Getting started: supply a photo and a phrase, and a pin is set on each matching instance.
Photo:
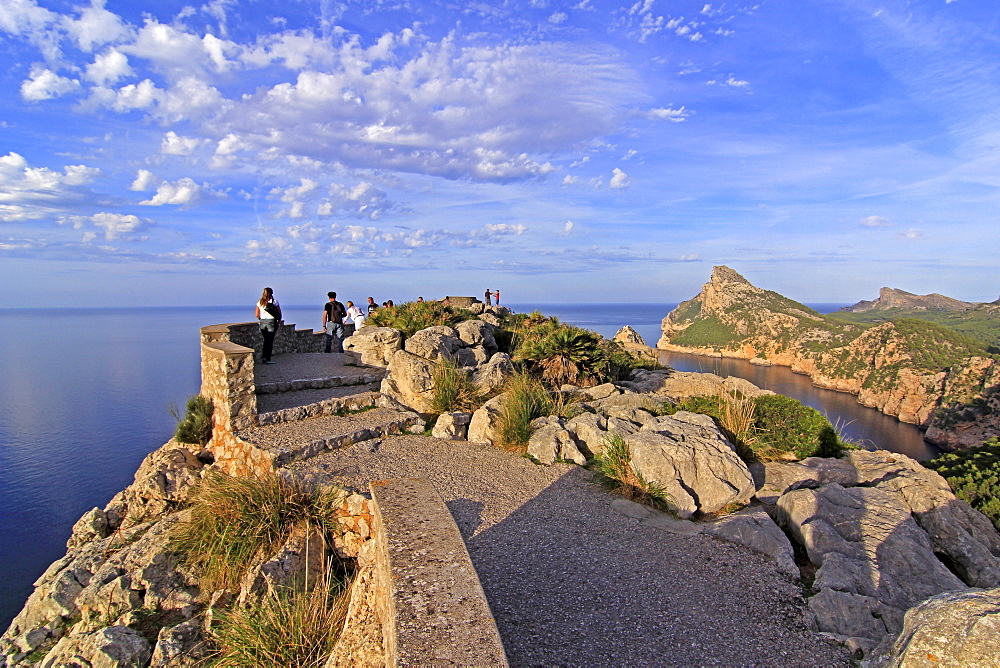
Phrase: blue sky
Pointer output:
(174, 153)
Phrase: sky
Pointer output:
(176, 153)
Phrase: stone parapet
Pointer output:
(286, 340)
(227, 379)
(434, 610)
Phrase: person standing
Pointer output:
(268, 314)
(333, 322)
(372, 306)
(487, 296)
(356, 315)
(496, 297)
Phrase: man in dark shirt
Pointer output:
(372, 306)
(333, 322)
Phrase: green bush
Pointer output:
(974, 475)
(525, 398)
(787, 425)
(615, 464)
(412, 317)
(196, 425)
(453, 390)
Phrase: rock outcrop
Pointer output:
(917, 371)
(891, 298)
(629, 336)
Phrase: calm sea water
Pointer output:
(85, 395)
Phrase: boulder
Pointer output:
(776, 478)
(439, 343)
(599, 392)
(107, 647)
(376, 345)
(483, 426)
(627, 402)
(473, 356)
(477, 333)
(551, 442)
(755, 529)
(183, 644)
(628, 335)
(680, 385)
(490, 377)
(299, 562)
(950, 629)
(410, 381)
(688, 456)
(875, 561)
(452, 426)
(590, 431)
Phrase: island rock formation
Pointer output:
(917, 371)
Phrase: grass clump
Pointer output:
(615, 464)
(287, 628)
(412, 317)
(974, 475)
(525, 398)
(236, 521)
(453, 390)
(196, 424)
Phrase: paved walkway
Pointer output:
(572, 582)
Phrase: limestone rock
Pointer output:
(680, 385)
(688, 455)
(776, 478)
(590, 431)
(599, 392)
(162, 482)
(410, 381)
(755, 529)
(93, 524)
(477, 333)
(180, 645)
(550, 441)
(439, 343)
(376, 345)
(299, 562)
(111, 646)
(490, 377)
(452, 426)
(873, 557)
(473, 356)
(950, 629)
(628, 335)
(627, 402)
(483, 426)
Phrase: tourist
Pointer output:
(487, 296)
(372, 306)
(268, 314)
(333, 322)
(356, 315)
(420, 300)
(496, 297)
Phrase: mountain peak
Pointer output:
(723, 274)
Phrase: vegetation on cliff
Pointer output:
(974, 475)
(911, 367)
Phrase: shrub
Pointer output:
(286, 628)
(236, 521)
(453, 389)
(615, 464)
(974, 475)
(787, 425)
(412, 317)
(196, 425)
(525, 398)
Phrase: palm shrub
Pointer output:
(453, 389)
(615, 464)
(411, 317)
(196, 424)
(236, 521)
(525, 398)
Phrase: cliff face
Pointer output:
(890, 298)
(917, 371)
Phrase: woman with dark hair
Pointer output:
(268, 316)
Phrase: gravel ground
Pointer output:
(275, 402)
(573, 583)
(300, 366)
(285, 434)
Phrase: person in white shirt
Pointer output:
(268, 316)
(356, 315)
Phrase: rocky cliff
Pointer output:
(915, 370)
(891, 298)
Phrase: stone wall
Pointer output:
(286, 340)
(227, 379)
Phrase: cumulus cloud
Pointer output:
(95, 26)
(108, 68)
(111, 226)
(174, 144)
(184, 192)
(30, 193)
(44, 84)
(619, 179)
(667, 114)
(912, 233)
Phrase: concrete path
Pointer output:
(572, 582)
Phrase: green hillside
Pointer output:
(981, 323)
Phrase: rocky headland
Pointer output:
(917, 371)
(865, 555)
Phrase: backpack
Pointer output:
(273, 310)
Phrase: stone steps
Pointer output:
(318, 383)
(288, 441)
(303, 404)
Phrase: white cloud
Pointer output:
(668, 114)
(31, 193)
(119, 226)
(558, 18)
(174, 144)
(44, 84)
(95, 27)
(183, 192)
(875, 221)
(567, 228)
(108, 68)
(145, 180)
(730, 81)
(619, 180)
(912, 233)
(569, 180)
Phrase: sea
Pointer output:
(86, 394)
